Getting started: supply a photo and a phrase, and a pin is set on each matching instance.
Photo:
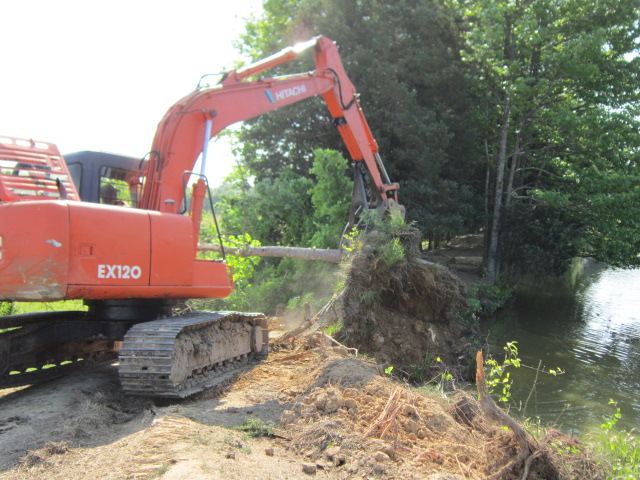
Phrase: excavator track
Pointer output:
(39, 347)
(179, 356)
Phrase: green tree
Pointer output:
(274, 211)
(289, 210)
(330, 197)
(403, 56)
(560, 87)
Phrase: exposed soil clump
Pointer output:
(405, 311)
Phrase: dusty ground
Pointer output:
(337, 417)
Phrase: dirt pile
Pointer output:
(353, 422)
(405, 311)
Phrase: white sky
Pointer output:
(90, 75)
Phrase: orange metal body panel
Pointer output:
(204, 272)
(34, 249)
(165, 291)
(128, 253)
(55, 250)
(110, 246)
(172, 251)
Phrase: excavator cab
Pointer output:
(106, 178)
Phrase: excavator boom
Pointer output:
(204, 113)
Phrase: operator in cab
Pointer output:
(109, 196)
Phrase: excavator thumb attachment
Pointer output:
(367, 197)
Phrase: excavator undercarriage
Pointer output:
(171, 357)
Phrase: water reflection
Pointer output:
(590, 329)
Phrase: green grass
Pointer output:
(16, 308)
(31, 307)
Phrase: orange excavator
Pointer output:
(131, 259)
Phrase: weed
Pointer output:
(245, 448)
(620, 448)
(499, 380)
(365, 357)
(435, 385)
(158, 473)
(368, 298)
(390, 253)
(351, 240)
(333, 328)
(489, 297)
(473, 311)
(419, 373)
(255, 427)
(199, 439)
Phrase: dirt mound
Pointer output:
(405, 311)
(384, 429)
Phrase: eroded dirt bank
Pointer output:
(336, 417)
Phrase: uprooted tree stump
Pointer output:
(406, 312)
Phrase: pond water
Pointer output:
(590, 328)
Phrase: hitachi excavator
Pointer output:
(131, 259)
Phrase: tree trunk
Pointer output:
(492, 255)
(487, 217)
(322, 255)
(514, 165)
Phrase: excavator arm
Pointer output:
(188, 125)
